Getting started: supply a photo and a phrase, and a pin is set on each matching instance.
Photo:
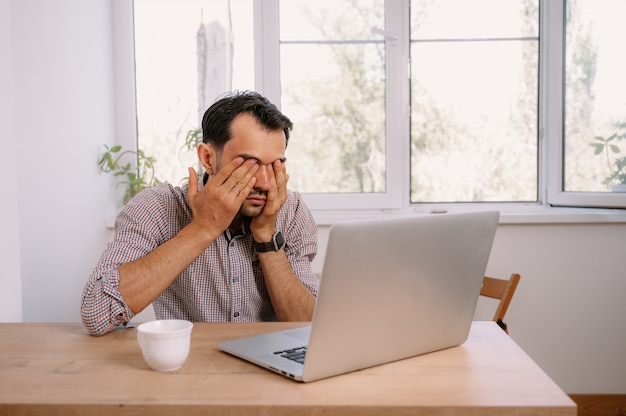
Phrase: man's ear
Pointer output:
(208, 158)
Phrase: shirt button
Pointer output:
(236, 314)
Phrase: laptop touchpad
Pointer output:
(299, 333)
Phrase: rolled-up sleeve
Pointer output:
(139, 228)
(103, 309)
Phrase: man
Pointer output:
(237, 247)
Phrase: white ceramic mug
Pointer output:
(165, 343)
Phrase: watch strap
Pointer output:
(276, 244)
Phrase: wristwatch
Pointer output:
(276, 244)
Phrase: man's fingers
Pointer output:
(244, 186)
(235, 176)
(192, 184)
(242, 193)
(242, 178)
(281, 178)
(227, 170)
(235, 169)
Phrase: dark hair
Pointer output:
(217, 120)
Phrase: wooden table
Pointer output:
(56, 368)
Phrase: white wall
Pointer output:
(61, 73)
(11, 293)
(568, 313)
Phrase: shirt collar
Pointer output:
(243, 230)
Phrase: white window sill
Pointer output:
(509, 214)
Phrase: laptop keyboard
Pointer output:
(294, 354)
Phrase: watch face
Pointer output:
(279, 241)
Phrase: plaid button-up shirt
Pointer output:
(225, 283)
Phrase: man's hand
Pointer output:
(263, 226)
(215, 206)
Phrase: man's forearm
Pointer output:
(143, 280)
(291, 300)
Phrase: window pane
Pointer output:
(333, 88)
(595, 99)
(463, 19)
(474, 101)
(188, 52)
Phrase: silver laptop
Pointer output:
(390, 289)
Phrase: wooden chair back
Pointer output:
(503, 290)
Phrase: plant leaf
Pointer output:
(598, 146)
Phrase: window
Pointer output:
(401, 104)
(474, 100)
(332, 85)
(593, 171)
(433, 103)
(333, 80)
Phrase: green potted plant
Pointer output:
(137, 168)
(616, 161)
(135, 176)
